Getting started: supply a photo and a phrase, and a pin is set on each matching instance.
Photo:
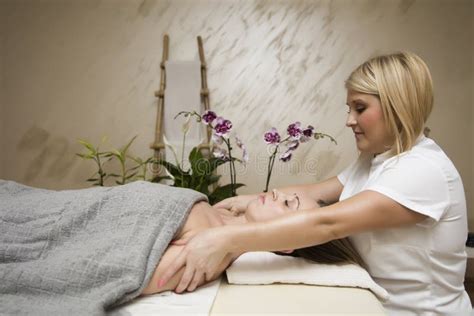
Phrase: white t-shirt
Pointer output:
(421, 266)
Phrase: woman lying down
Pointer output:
(83, 251)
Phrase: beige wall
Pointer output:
(84, 69)
(2, 90)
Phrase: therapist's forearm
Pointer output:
(297, 230)
(328, 190)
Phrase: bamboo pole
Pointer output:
(204, 91)
(158, 145)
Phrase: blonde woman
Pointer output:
(401, 201)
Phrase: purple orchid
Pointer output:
(286, 156)
(272, 136)
(208, 117)
(220, 153)
(216, 139)
(308, 132)
(245, 155)
(292, 145)
(294, 130)
(222, 127)
(296, 136)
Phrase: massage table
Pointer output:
(265, 283)
(294, 299)
(233, 299)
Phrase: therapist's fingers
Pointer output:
(175, 266)
(185, 279)
(179, 242)
(198, 277)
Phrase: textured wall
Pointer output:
(84, 69)
(2, 91)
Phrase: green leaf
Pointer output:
(124, 149)
(203, 187)
(107, 154)
(157, 179)
(213, 179)
(86, 156)
(87, 145)
(195, 155)
(223, 192)
(130, 176)
(215, 162)
(137, 160)
(182, 180)
(149, 160)
(322, 135)
(175, 171)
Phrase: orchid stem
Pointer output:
(182, 150)
(232, 168)
(271, 161)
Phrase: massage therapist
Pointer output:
(401, 201)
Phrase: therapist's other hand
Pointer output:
(236, 204)
(201, 256)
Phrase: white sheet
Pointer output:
(198, 302)
(268, 268)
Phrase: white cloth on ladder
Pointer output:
(182, 93)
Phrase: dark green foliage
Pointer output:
(200, 177)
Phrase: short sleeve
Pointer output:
(345, 174)
(416, 183)
(359, 165)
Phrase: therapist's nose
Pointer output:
(351, 120)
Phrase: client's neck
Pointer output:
(220, 216)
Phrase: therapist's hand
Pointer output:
(236, 204)
(201, 256)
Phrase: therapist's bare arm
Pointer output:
(365, 211)
(328, 190)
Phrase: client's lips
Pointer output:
(262, 199)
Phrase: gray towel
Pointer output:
(82, 251)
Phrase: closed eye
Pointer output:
(296, 199)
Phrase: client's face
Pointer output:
(273, 204)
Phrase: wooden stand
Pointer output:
(158, 146)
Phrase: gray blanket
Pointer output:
(80, 252)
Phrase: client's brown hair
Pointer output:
(336, 251)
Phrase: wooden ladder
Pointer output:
(158, 146)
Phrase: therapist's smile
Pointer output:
(358, 135)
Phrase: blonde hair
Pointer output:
(402, 82)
